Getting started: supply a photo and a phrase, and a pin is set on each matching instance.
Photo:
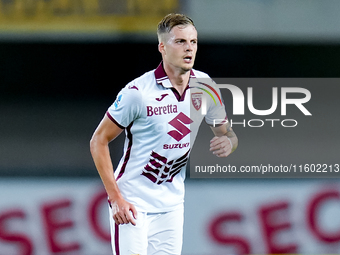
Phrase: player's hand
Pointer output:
(220, 146)
(121, 212)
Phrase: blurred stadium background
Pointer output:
(62, 63)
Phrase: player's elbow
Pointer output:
(98, 142)
(94, 144)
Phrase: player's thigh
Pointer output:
(165, 236)
(127, 239)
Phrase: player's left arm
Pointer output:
(225, 141)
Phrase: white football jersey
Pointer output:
(160, 127)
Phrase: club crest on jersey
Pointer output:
(196, 99)
(116, 103)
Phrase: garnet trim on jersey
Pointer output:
(161, 76)
(116, 237)
(113, 120)
(128, 151)
(159, 170)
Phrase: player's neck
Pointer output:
(178, 78)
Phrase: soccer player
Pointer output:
(160, 113)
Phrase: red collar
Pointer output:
(161, 76)
(163, 79)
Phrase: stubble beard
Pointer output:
(186, 69)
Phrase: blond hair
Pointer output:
(171, 20)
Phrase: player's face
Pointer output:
(180, 47)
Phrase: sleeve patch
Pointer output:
(116, 103)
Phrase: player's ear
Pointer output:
(161, 47)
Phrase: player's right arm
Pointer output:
(99, 146)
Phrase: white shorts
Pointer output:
(154, 234)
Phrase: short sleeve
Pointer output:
(216, 112)
(127, 106)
